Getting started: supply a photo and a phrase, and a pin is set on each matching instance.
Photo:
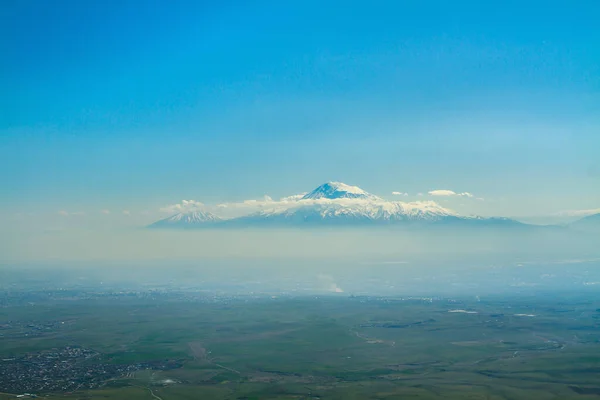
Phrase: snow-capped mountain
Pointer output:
(338, 190)
(190, 219)
(335, 204)
(351, 212)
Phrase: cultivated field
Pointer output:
(332, 347)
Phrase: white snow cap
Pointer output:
(338, 190)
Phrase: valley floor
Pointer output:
(177, 346)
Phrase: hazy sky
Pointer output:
(134, 105)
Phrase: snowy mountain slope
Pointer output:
(338, 190)
(335, 204)
(190, 219)
(352, 212)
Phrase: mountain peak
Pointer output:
(338, 190)
(187, 219)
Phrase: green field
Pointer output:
(324, 348)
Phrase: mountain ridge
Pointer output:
(335, 204)
(187, 219)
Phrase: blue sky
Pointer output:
(131, 105)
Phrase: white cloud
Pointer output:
(266, 201)
(126, 212)
(442, 192)
(184, 206)
(399, 194)
(419, 194)
(63, 213)
(451, 193)
(105, 212)
(294, 197)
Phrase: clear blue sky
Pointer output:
(137, 104)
